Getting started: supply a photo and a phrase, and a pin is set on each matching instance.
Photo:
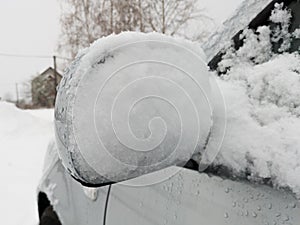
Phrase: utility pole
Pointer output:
(163, 17)
(55, 78)
(17, 94)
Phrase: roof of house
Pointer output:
(46, 71)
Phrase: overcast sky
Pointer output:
(31, 27)
(26, 27)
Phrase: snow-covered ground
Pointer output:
(24, 136)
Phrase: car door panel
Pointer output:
(70, 200)
(189, 197)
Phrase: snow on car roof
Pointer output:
(240, 19)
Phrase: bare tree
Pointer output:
(168, 16)
(84, 21)
(127, 17)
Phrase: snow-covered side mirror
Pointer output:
(132, 104)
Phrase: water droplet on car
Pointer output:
(270, 206)
(234, 204)
(166, 221)
(226, 215)
(227, 190)
(293, 205)
(254, 214)
(278, 214)
(286, 218)
(258, 208)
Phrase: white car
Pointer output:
(87, 180)
(188, 197)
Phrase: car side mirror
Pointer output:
(132, 104)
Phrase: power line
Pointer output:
(31, 56)
(23, 56)
(6, 84)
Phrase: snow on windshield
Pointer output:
(263, 109)
(262, 93)
(241, 18)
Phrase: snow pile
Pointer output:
(296, 33)
(257, 48)
(265, 42)
(263, 109)
(24, 137)
(282, 17)
(262, 92)
(243, 15)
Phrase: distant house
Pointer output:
(43, 88)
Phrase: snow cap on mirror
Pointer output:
(132, 104)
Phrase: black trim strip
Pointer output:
(106, 205)
(92, 185)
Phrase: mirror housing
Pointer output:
(132, 104)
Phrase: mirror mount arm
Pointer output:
(92, 185)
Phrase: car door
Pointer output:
(74, 203)
(189, 197)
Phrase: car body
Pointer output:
(187, 197)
